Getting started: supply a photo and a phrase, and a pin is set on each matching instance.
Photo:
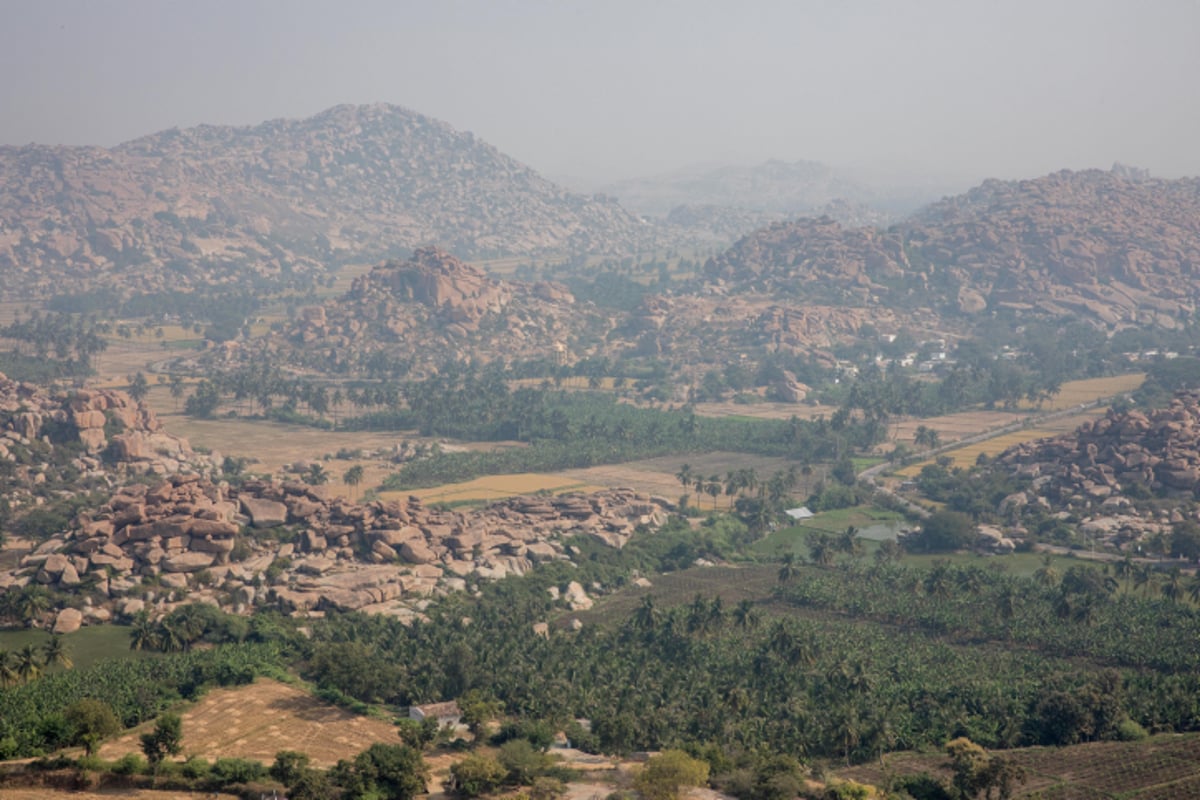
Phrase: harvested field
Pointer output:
(259, 720)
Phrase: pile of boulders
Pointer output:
(1091, 472)
(290, 545)
(105, 421)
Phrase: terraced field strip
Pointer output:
(257, 721)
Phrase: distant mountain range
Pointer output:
(216, 204)
(774, 187)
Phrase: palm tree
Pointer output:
(820, 549)
(745, 616)
(316, 474)
(646, 616)
(1172, 588)
(1143, 578)
(143, 635)
(1194, 588)
(713, 488)
(8, 669)
(788, 571)
(353, 478)
(1124, 570)
(29, 663)
(1047, 575)
(849, 543)
(685, 475)
(55, 652)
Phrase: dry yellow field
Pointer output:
(1084, 391)
(966, 455)
(497, 487)
(257, 721)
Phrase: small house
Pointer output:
(445, 713)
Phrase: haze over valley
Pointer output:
(830, 430)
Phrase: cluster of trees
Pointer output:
(184, 627)
(893, 657)
(72, 341)
(24, 665)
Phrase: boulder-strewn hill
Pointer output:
(1112, 471)
(1114, 247)
(211, 204)
(435, 308)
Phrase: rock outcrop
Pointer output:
(41, 432)
(1106, 470)
(203, 540)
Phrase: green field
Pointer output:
(794, 538)
(86, 646)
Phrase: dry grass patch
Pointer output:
(257, 721)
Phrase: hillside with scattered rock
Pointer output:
(290, 547)
(1113, 472)
(1115, 247)
(236, 205)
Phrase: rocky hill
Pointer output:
(438, 308)
(1114, 247)
(1112, 472)
(210, 542)
(216, 204)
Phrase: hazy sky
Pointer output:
(615, 88)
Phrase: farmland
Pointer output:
(1161, 767)
(496, 487)
(257, 721)
(967, 455)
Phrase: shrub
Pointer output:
(130, 764)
